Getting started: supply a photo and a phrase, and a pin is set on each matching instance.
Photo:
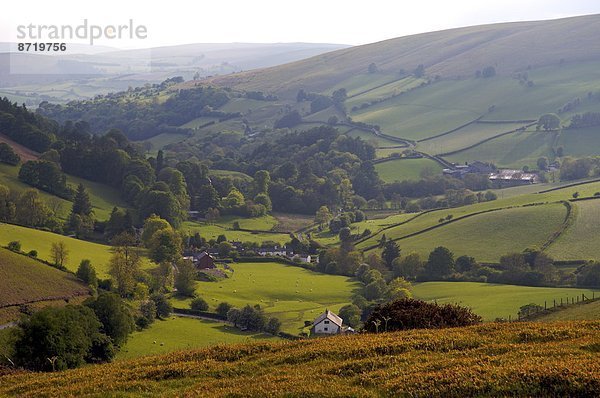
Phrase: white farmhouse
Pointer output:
(327, 323)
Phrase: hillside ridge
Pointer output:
(450, 53)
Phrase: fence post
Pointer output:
(561, 302)
(554, 303)
(545, 306)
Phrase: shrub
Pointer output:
(223, 308)
(273, 326)
(416, 314)
(14, 246)
(163, 307)
(199, 304)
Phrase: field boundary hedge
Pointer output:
(567, 223)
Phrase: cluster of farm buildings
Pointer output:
(500, 178)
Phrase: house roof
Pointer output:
(329, 315)
(204, 254)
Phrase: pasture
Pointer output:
(490, 235)
(510, 151)
(290, 293)
(33, 239)
(580, 241)
(179, 333)
(212, 231)
(407, 169)
(492, 301)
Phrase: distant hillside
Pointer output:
(513, 359)
(27, 281)
(35, 77)
(508, 47)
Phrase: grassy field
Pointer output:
(384, 92)
(212, 231)
(103, 197)
(580, 312)
(514, 150)
(579, 242)
(229, 173)
(491, 235)
(162, 140)
(514, 197)
(26, 280)
(516, 359)
(465, 137)
(287, 292)
(492, 301)
(178, 333)
(580, 142)
(406, 169)
(33, 239)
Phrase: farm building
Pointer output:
(476, 167)
(201, 260)
(304, 258)
(327, 323)
(274, 251)
(511, 178)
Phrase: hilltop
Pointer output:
(516, 359)
(509, 47)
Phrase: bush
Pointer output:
(14, 246)
(223, 308)
(416, 314)
(8, 155)
(273, 326)
(32, 253)
(199, 304)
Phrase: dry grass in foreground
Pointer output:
(523, 359)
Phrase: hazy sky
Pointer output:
(267, 21)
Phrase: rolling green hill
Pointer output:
(491, 229)
(33, 239)
(27, 281)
